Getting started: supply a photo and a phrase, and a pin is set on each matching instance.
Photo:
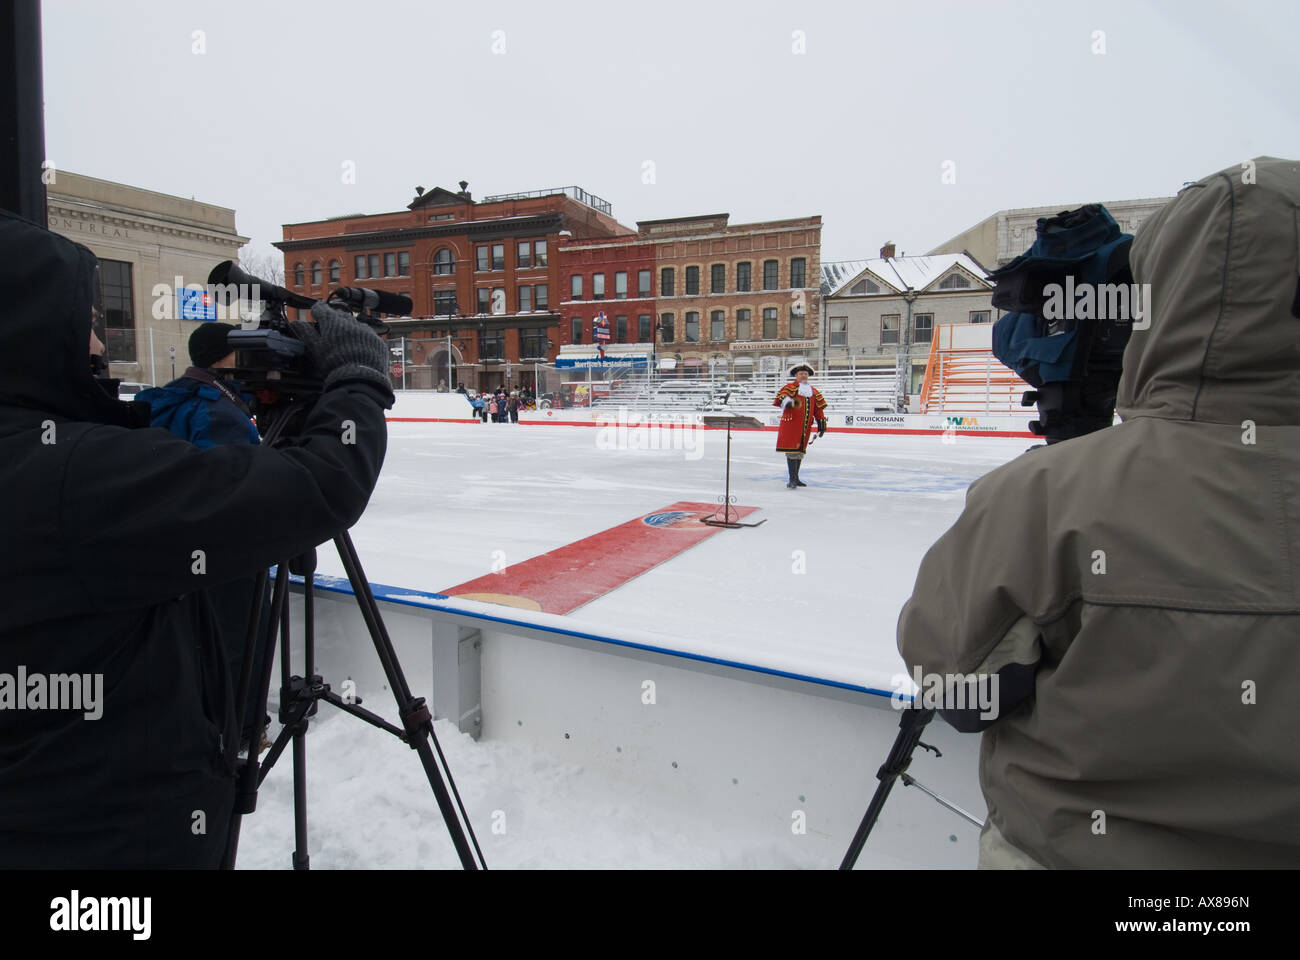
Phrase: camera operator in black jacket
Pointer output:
(113, 535)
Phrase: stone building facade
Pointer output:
(1000, 238)
(149, 245)
(873, 308)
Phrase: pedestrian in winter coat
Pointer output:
(1134, 590)
(802, 405)
(512, 405)
(113, 533)
(492, 408)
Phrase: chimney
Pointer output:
(887, 251)
(464, 192)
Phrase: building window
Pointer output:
(297, 275)
(334, 271)
(119, 310)
(359, 267)
(796, 325)
(769, 274)
(539, 253)
(492, 345)
(923, 327)
(444, 302)
(374, 265)
(692, 326)
(498, 256)
(484, 300)
(575, 287)
(620, 329)
(643, 283)
(742, 324)
(540, 301)
(532, 343)
(524, 295)
(575, 329)
(839, 331)
(981, 316)
(666, 282)
(954, 281)
(666, 327)
(481, 261)
(390, 264)
(692, 281)
(403, 264)
(498, 301)
(889, 328)
(798, 273)
(742, 277)
(444, 264)
(315, 273)
(718, 278)
(864, 287)
(524, 257)
(769, 323)
(717, 325)
(620, 285)
(598, 286)
(643, 327)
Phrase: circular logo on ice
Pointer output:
(671, 518)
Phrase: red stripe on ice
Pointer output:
(577, 573)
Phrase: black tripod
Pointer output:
(910, 728)
(299, 695)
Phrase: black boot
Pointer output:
(793, 466)
(797, 481)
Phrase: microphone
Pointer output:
(393, 304)
(233, 283)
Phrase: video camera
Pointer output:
(1071, 304)
(271, 361)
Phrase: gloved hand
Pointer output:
(786, 402)
(821, 429)
(342, 349)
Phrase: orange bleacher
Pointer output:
(963, 375)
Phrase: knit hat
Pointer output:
(208, 343)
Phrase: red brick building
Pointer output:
(484, 273)
(700, 293)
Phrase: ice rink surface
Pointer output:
(815, 590)
(454, 499)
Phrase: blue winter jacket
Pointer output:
(197, 412)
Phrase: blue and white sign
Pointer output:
(637, 362)
(196, 304)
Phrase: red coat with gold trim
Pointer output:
(798, 419)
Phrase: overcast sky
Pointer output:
(671, 109)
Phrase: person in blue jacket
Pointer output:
(200, 405)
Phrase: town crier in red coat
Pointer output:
(801, 405)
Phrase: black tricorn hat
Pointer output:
(803, 366)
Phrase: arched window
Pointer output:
(954, 281)
(297, 274)
(443, 262)
(315, 274)
(334, 271)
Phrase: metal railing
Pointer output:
(577, 193)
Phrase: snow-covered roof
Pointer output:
(902, 273)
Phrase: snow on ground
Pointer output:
(452, 495)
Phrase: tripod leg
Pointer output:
(416, 718)
(900, 756)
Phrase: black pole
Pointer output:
(22, 111)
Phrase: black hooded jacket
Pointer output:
(111, 536)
